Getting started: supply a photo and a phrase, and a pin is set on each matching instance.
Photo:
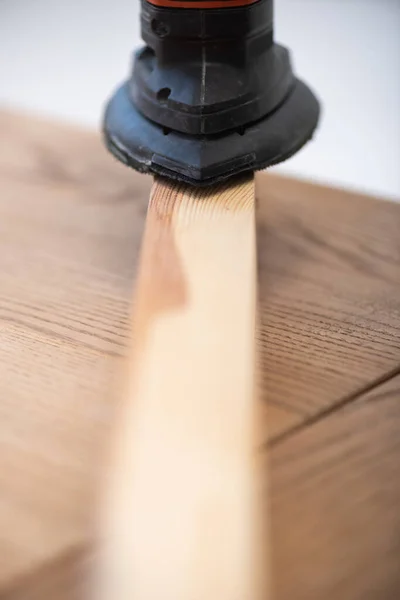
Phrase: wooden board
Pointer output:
(329, 281)
(65, 577)
(181, 495)
(340, 537)
(71, 221)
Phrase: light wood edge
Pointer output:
(182, 519)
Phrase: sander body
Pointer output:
(210, 94)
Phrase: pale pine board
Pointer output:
(182, 489)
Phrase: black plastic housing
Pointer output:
(210, 95)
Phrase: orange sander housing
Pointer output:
(210, 94)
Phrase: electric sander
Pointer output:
(211, 94)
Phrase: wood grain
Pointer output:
(335, 504)
(181, 520)
(329, 277)
(335, 518)
(66, 271)
(71, 222)
(65, 577)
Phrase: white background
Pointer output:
(63, 58)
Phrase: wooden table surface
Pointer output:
(71, 221)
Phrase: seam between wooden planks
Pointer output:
(334, 408)
(73, 556)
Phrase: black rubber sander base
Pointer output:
(210, 95)
(205, 160)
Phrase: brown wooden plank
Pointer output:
(67, 256)
(71, 220)
(335, 504)
(53, 427)
(64, 577)
(330, 292)
(335, 511)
